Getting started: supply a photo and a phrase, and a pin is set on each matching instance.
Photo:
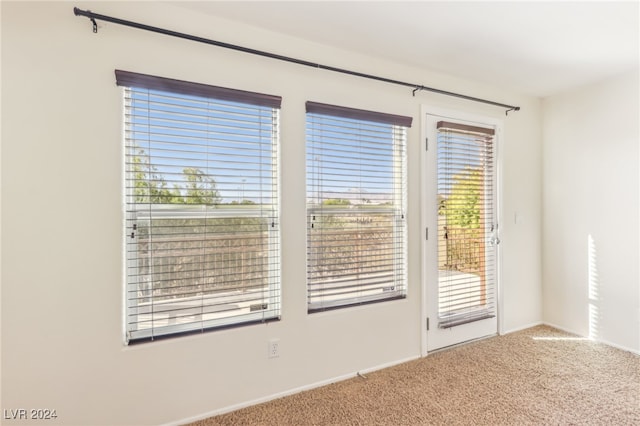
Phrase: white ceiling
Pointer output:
(537, 48)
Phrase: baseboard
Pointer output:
(293, 391)
(523, 327)
(615, 345)
(603, 341)
(565, 329)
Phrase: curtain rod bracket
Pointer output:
(88, 14)
(511, 109)
(418, 88)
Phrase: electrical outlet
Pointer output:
(273, 348)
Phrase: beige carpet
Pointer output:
(539, 376)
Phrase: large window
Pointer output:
(201, 195)
(356, 203)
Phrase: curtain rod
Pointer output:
(416, 87)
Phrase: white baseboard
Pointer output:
(565, 329)
(268, 398)
(520, 328)
(615, 345)
(603, 341)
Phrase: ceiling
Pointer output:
(537, 48)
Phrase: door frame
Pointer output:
(428, 217)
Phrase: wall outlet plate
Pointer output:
(273, 348)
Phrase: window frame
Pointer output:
(136, 212)
(396, 211)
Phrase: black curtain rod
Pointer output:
(416, 87)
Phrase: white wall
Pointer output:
(62, 234)
(591, 215)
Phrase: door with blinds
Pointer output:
(462, 241)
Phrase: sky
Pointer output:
(233, 143)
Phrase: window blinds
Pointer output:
(356, 198)
(201, 189)
(466, 224)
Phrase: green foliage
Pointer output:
(200, 187)
(463, 205)
(460, 216)
(150, 186)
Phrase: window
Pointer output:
(356, 198)
(467, 229)
(201, 196)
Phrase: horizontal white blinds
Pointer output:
(202, 225)
(356, 196)
(466, 223)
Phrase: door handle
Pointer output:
(494, 240)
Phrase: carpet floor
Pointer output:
(538, 376)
